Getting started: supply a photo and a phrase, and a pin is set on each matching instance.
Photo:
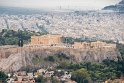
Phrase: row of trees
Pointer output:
(108, 69)
(11, 37)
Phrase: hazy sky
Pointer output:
(83, 4)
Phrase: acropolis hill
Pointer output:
(15, 57)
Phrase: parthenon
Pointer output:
(46, 40)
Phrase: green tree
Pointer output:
(3, 77)
(81, 76)
(50, 58)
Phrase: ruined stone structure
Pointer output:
(56, 40)
(98, 44)
(81, 45)
(46, 40)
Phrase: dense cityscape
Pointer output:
(62, 45)
(94, 25)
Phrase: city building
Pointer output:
(21, 77)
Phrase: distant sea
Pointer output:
(29, 11)
(19, 10)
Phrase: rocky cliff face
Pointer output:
(20, 57)
(118, 7)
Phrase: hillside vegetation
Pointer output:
(11, 37)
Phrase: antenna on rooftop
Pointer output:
(59, 5)
(68, 3)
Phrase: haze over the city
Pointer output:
(54, 4)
